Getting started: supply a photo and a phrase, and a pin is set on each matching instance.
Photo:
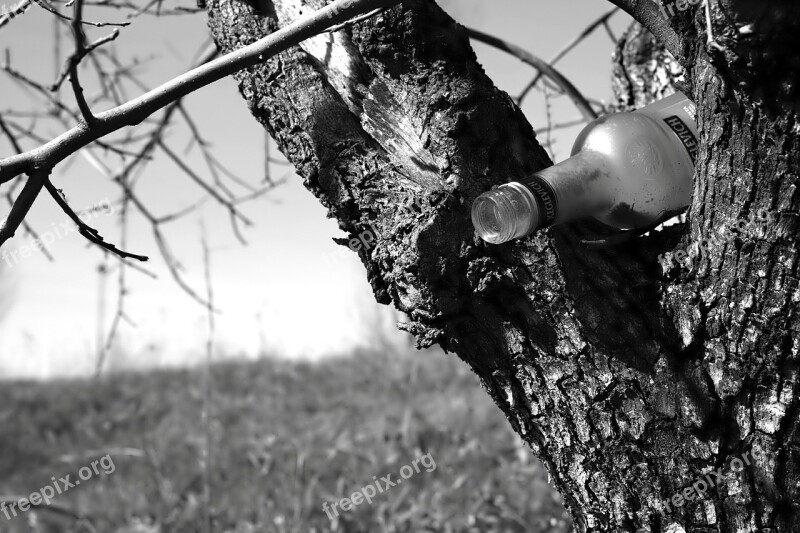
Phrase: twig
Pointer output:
(78, 56)
(122, 178)
(87, 231)
(102, 276)
(52, 507)
(214, 166)
(526, 57)
(610, 32)
(549, 118)
(648, 15)
(10, 136)
(206, 187)
(168, 97)
(23, 203)
(122, 293)
(355, 20)
(90, 454)
(561, 125)
(566, 49)
(56, 105)
(75, 60)
(9, 194)
(47, 7)
(14, 12)
(267, 159)
(137, 110)
(207, 384)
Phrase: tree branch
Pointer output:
(23, 203)
(649, 16)
(87, 231)
(603, 20)
(135, 111)
(526, 57)
(15, 11)
(75, 60)
(47, 7)
(79, 55)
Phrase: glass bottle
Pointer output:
(626, 169)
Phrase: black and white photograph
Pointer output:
(399, 266)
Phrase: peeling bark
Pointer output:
(632, 376)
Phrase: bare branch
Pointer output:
(649, 16)
(10, 136)
(603, 20)
(87, 231)
(207, 381)
(122, 293)
(561, 125)
(610, 32)
(74, 61)
(526, 57)
(214, 166)
(267, 159)
(205, 186)
(137, 110)
(23, 203)
(47, 7)
(14, 12)
(57, 107)
(9, 194)
(78, 57)
(355, 20)
(39, 162)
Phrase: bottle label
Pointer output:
(686, 135)
(677, 112)
(546, 199)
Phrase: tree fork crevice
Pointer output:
(629, 378)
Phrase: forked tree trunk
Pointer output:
(633, 377)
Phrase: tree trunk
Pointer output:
(638, 378)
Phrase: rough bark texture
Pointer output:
(632, 377)
(643, 71)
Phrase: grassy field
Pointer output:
(281, 439)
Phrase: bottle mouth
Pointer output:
(505, 213)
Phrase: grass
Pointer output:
(284, 437)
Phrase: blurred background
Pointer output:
(313, 389)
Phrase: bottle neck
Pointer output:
(577, 187)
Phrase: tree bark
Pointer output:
(633, 376)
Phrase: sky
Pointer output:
(291, 292)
